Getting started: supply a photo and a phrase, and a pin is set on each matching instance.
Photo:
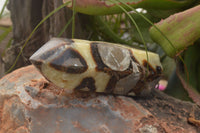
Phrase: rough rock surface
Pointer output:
(30, 104)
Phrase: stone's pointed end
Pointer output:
(39, 56)
(49, 51)
(36, 61)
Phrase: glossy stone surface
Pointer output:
(76, 64)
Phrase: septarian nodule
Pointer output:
(97, 66)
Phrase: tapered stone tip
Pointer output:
(49, 51)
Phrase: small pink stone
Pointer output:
(161, 87)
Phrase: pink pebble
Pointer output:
(161, 87)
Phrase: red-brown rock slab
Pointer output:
(30, 104)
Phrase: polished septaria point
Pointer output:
(97, 66)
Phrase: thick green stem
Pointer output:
(182, 29)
